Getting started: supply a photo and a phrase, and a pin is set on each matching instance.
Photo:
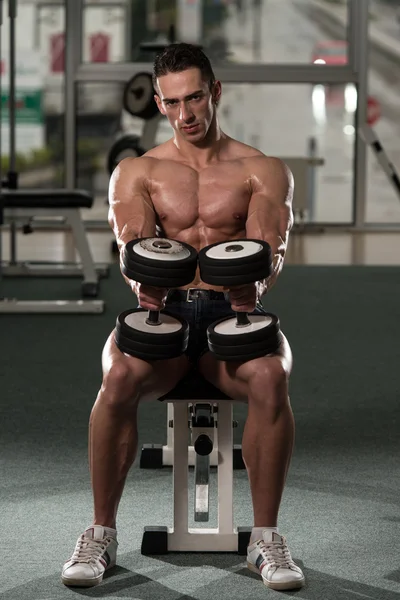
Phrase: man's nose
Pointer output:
(185, 112)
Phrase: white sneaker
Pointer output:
(95, 552)
(270, 557)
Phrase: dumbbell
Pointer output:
(239, 262)
(164, 263)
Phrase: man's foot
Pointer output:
(270, 557)
(95, 552)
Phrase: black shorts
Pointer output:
(200, 308)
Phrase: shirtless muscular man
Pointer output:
(199, 187)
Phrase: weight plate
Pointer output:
(127, 146)
(149, 352)
(234, 250)
(224, 332)
(242, 251)
(132, 325)
(267, 346)
(161, 249)
(138, 99)
(233, 268)
(235, 274)
(156, 270)
(162, 280)
(233, 280)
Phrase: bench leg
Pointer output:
(74, 220)
(181, 538)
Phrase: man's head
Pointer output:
(187, 92)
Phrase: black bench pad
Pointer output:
(52, 198)
(194, 387)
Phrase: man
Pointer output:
(199, 187)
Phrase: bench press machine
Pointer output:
(197, 408)
(21, 205)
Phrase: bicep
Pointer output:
(131, 211)
(270, 209)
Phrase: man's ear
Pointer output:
(159, 104)
(217, 92)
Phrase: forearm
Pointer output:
(127, 233)
(265, 285)
(277, 262)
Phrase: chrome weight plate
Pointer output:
(168, 324)
(229, 326)
(132, 324)
(234, 250)
(227, 332)
(161, 249)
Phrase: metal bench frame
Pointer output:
(180, 455)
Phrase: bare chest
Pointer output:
(216, 198)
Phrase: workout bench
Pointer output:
(208, 413)
(21, 205)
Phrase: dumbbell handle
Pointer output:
(153, 318)
(242, 319)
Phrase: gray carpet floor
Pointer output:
(341, 507)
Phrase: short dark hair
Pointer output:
(178, 57)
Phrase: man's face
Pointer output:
(185, 99)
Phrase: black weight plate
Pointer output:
(163, 280)
(132, 255)
(150, 351)
(239, 273)
(138, 98)
(126, 146)
(234, 280)
(241, 257)
(170, 337)
(244, 335)
(156, 271)
(152, 340)
(240, 358)
(267, 346)
(233, 267)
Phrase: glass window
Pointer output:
(320, 124)
(231, 31)
(39, 103)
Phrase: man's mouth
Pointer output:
(191, 128)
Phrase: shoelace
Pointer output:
(277, 555)
(88, 550)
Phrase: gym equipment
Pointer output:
(126, 146)
(138, 99)
(208, 413)
(162, 263)
(235, 263)
(17, 204)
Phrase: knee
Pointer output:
(120, 388)
(268, 384)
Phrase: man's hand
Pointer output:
(151, 298)
(243, 298)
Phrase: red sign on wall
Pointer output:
(99, 48)
(57, 53)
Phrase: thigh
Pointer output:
(232, 377)
(154, 378)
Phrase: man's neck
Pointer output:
(204, 153)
